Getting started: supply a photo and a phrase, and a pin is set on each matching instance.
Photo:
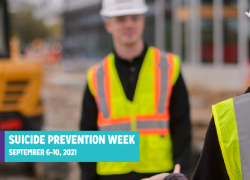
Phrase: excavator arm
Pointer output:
(4, 30)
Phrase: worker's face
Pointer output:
(126, 30)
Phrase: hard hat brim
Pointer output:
(124, 12)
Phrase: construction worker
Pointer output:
(225, 154)
(137, 88)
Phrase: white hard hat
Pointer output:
(112, 8)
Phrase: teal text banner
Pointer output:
(72, 146)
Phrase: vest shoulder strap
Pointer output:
(226, 127)
(92, 72)
(90, 81)
(175, 64)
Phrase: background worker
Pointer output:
(137, 87)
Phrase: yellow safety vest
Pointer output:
(232, 121)
(147, 113)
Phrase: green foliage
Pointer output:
(26, 27)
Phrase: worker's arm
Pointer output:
(180, 127)
(88, 123)
(211, 164)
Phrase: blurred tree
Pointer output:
(26, 27)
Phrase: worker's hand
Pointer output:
(177, 169)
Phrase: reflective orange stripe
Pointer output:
(154, 131)
(152, 117)
(111, 121)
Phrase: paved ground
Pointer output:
(63, 97)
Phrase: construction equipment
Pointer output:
(20, 99)
(20, 84)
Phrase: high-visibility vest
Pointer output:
(147, 113)
(232, 121)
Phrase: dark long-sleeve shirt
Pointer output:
(180, 127)
(211, 164)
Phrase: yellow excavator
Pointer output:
(20, 83)
(20, 96)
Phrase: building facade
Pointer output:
(200, 31)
